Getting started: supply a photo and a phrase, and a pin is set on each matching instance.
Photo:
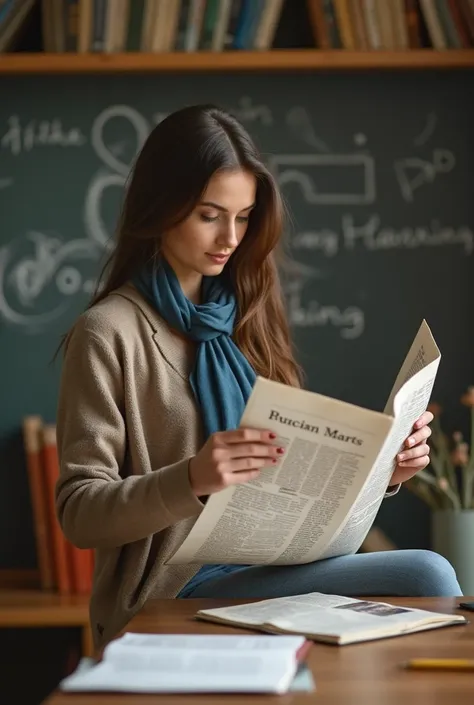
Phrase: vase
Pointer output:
(453, 537)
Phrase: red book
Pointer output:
(60, 548)
(32, 440)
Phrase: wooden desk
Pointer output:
(361, 674)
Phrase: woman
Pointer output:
(157, 372)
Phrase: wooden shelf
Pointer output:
(275, 60)
(34, 608)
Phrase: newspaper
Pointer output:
(330, 618)
(194, 663)
(322, 497)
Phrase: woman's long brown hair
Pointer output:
(170, 175)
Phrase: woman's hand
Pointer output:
(231, 458)
(415, 456)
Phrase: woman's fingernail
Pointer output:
(410, 441)
(402, 457)
(273, 436)
(280, 450)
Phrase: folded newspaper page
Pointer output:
(322, 497)
(330, 618)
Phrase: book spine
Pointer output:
(344, 23)
(121, 38)
(433, 24)
(99, 25)
(372, 23)
(46, 24)
(71, 25)
(148, 25)
(180, 39)
(194, 25)
(112, 20)
(384, 16)
(332, 24)
(80, 564)
(258, 8)
(134, 31)
(458, 19)
(172, 25)
(412, 21)
(317, 18)
(85, 26)
(234, 19)
(160, 25)
(400, 25)
(60, 549)
(32, 441)
(57, 25)
(222, 22)
(243, 24)
(468, 17)
(268, 25)
(358, 24)
(209, 22)
(449, 28)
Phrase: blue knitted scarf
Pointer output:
(222, 378)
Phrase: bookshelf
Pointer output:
(24, 605)
(274, 60)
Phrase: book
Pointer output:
(321, 499)
(62, 566)
(32, 426)
(195, 663)
(59, 541)
(330, 618)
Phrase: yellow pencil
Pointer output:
(440, 664)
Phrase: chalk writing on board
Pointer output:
(428, 130)
(95, 226)
(325, 178)
(140, 126)
(300, 124)
(27, 281)
(360, 139)
(328, 179)
(323, 240)
(350, 321)
(116, 167)
(309, 313)
(20, 138)
(372, 235)
(247, 111)
(413, 172)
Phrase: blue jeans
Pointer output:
(405, 573)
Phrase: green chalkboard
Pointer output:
(377, 170)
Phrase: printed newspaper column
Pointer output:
(323, 496)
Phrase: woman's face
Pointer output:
(202, 244)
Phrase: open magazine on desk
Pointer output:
(331, 618)
(321, 499)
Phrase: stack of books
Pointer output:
(63, 568)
